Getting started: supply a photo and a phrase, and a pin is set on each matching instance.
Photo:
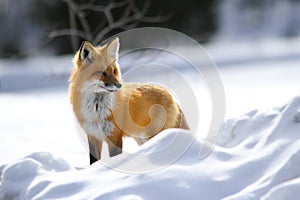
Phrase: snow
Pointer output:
(44, 155)
(258, 158)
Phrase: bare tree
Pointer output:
(80, 28)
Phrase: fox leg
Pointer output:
(114, 145)
(95, 148)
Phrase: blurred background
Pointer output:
(255, 45)
(35, 27)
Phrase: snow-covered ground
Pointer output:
(256, 156)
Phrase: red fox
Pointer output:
(108, 109)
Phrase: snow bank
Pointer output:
(258, 156)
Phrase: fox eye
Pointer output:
(115, 71)
(104, 73)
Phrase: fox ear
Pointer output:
(112, 48)
(86, 51)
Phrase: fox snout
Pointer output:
(111, 80)
(112, 87)
(117, 85)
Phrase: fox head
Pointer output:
(96, 67)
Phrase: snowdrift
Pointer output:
(257, 156)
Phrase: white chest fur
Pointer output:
(95, 107)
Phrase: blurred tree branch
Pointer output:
(80, 27)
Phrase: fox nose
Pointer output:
(118, 85)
